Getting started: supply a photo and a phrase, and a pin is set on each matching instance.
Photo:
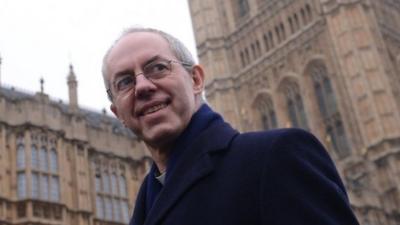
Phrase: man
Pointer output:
(204, 171)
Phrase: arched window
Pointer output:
(243, 7)
(303, 16)
(116, 209)
(122, 186)
(98, 183)
(44, 187)
(114, 184)
(247, 55)
(243, 60)
(258, 48)
(125, 211)
(291, 25)
(21, 156)
(53, 161)
(266, 111)
(278, 34)
(295, 106)
(55, 189)
(21, 185)
(34, 157)
(296, 22)
(108, 207)
(43, 159)
(106, 183)
(99, 207)
(329, 111)
(253, 50)
(266, 42)
(35, 186)
(283, 32)
(309, 12)
(271, 39)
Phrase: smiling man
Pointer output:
(204, 171)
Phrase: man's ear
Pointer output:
(198, 79)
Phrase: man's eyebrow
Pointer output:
(152, 59)
(124, 72)
(132, 72)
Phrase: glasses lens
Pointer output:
(157, 70)
(124, 82)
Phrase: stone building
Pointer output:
(61, 164)
(329, 66)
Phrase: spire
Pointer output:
(41, 85)
(71, 75)
(72, 90)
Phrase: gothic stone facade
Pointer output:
(63, 165)
(328, 66)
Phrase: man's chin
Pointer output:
(161, 139)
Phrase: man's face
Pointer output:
(156, 111)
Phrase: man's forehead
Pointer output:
(140, 41)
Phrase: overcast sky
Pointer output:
(41, 38)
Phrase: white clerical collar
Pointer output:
(161, 178)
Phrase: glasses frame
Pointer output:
(168, 61)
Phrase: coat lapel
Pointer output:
(195, 164)
(139, 215)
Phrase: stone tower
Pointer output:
(328, 66)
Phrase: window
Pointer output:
(296, 22)
(122, 186)
(247, 55)
(271, 39)
(43, 171)
(242, 59)
(35, 157)
(282, 31)
(309, 13)
(116, 209)
(125, 211)
(111, 192)
(20, 156)
(99, 207)
(108, 207)
(98, 183)
(295, 106)
(266, 42)
(55, 187)
(243, 7)
(267, 113)
(106, 183)
(44, 187)
(291, 25)
(303, 16)
(43, 159)
(114, 184)
(53, 161)
(21, 188)
(35, 185)
(329, 111)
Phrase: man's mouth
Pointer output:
(155, 108)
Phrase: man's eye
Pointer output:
(157, 68)
(124, 83)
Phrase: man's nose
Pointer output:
(144, 87)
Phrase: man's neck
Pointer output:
(160, 158)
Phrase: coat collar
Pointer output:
(195, 165)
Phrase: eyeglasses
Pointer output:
(152, 71)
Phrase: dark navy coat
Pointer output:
(278, 177)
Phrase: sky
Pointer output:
(41, 38)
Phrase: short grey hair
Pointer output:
(180, 51)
